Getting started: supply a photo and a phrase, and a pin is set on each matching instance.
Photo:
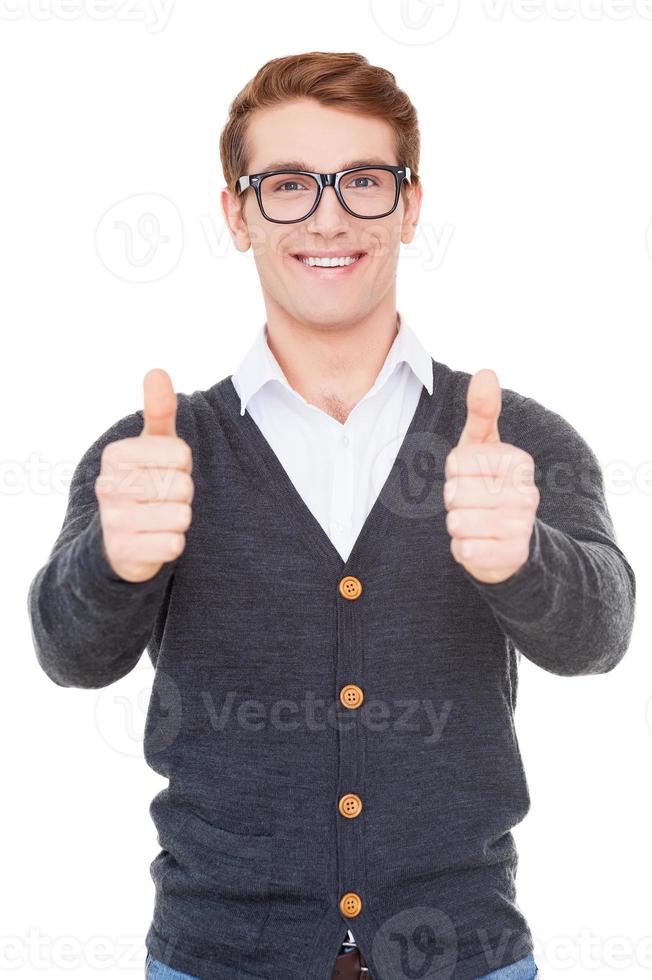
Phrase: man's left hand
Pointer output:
(489, 492)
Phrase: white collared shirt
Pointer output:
(338, 468)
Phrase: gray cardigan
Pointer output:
(337, 757)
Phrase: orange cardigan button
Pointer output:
(350, 587)
(350, 805)
(350, 904)
(351, 696)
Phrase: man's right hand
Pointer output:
(144, 488)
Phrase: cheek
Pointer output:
(264, 242)
(382, 239)
(268, 255)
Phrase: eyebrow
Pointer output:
(302, 165)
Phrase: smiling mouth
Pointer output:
(339, 264)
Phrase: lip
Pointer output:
(334, 272)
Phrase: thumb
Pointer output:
(483, 404)
(160, 404)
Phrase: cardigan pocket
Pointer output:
(223, 845)
(215, 889)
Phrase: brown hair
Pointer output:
(334, 78)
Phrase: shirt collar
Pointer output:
(260, 366)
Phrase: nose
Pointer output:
(329, 215)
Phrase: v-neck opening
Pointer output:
(279, 479)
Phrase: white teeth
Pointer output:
(327, 263)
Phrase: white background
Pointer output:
(534, 257)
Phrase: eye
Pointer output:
(357, 186)
(288, 186)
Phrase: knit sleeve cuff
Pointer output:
(93, 577)
(528, 594)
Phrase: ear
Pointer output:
(233, 208)
(411, 213)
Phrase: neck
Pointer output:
(332, 366)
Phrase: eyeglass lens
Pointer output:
(290, 196)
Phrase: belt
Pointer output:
(350, 966)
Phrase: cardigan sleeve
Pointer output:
(90, 626)
(570, 607)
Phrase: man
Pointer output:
(332, 556)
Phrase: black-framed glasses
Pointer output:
(286, 196)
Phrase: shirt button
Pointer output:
(350, 904)
(350, 805)
(350, 587)
(345, 440)
(351, 696)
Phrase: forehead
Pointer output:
(322, 137)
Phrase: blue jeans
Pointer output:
(525, 969)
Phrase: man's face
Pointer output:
(326, 140)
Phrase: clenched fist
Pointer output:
(144, 488)
(489, 493)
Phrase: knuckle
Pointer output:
(119, 547)
(100, 486)
(110, 517)
(522, 465)
(113, 454)
(514, 524)
(451, 464)
(523, 528)
(176, 545)
(185, 515)
(108, 453)
(186, 486)
(529, 497)
(186, 454)
(523, 497)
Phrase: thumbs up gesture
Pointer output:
(489, 492)
(144, 488)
